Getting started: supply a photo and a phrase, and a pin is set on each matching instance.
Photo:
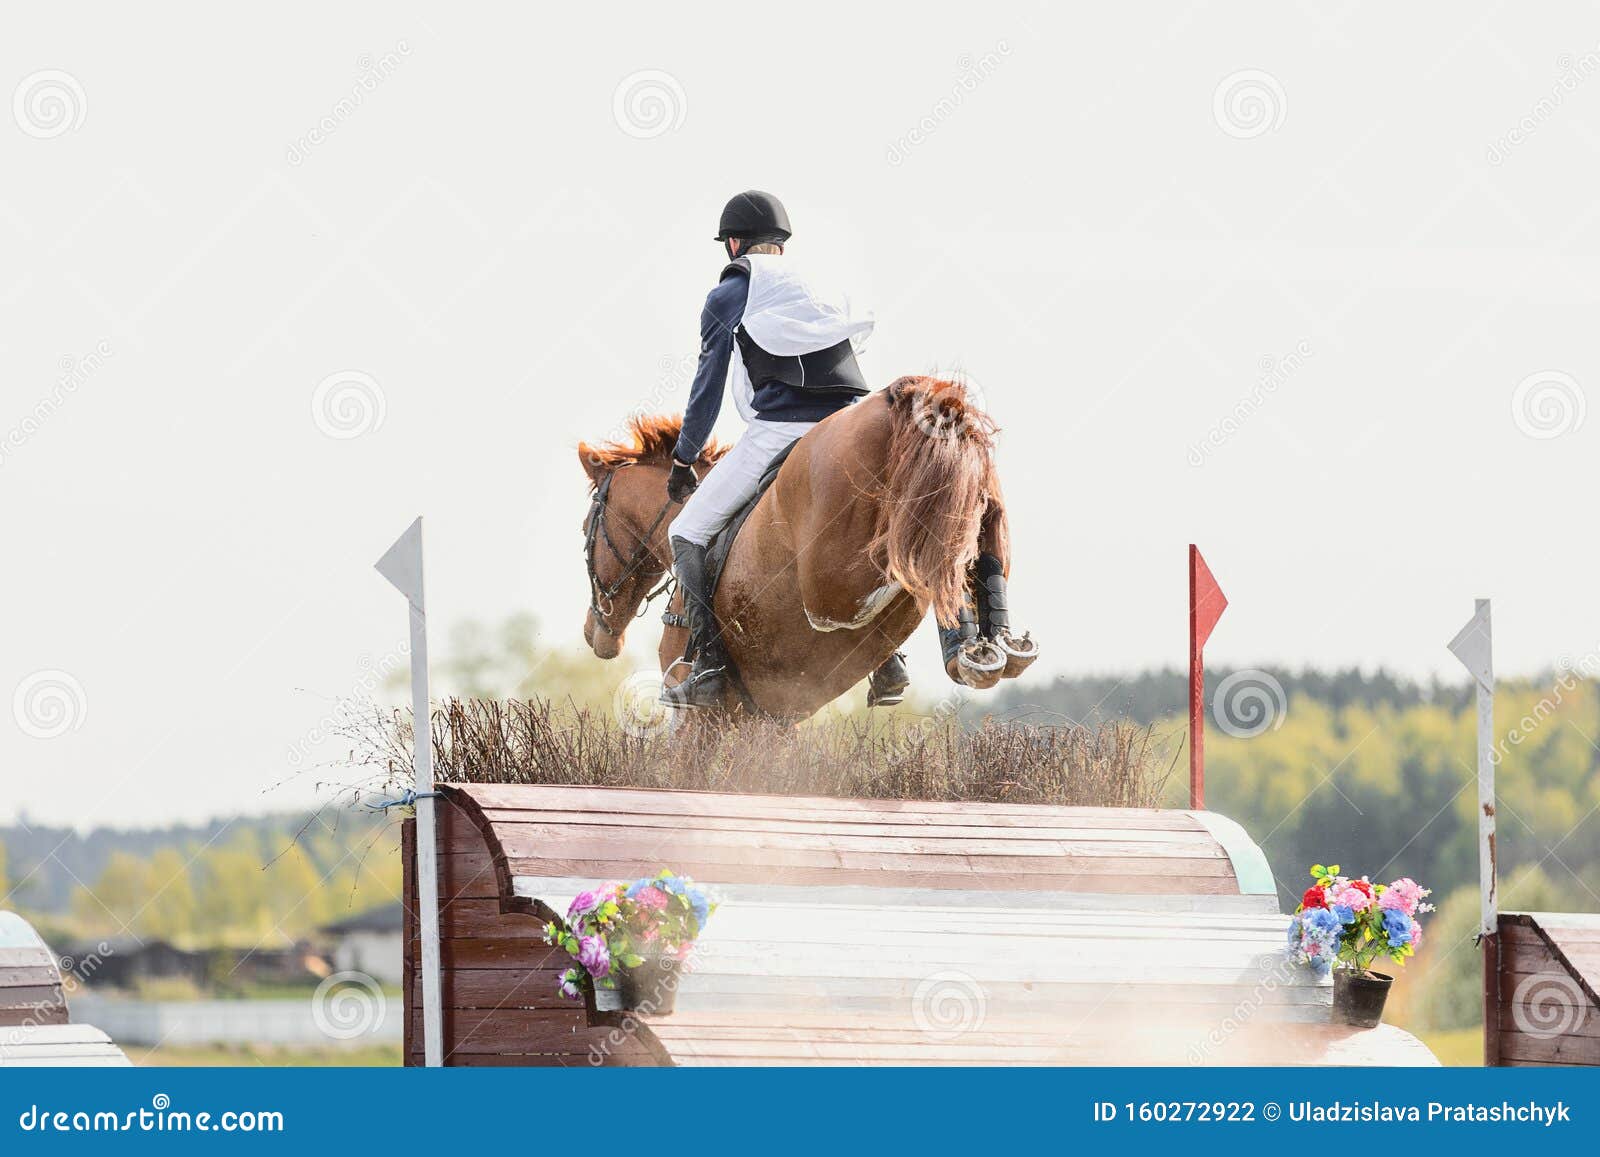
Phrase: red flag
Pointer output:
(1206, 604)
(1206, 601)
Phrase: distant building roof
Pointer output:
(383, 918)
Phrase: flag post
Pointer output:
(401, 564)
(1473, 645)
(1206, 604)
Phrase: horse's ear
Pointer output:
(592, 463)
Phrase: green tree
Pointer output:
(169, 910)
(116, 897)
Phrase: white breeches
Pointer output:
(732, 481)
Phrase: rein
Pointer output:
(600, 594)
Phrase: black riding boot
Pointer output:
(887, 685)
(707, 682)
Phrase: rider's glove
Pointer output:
(681, 482)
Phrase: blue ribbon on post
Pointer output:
(407, 798)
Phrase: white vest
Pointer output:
(787, 315)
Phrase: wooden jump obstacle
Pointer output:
(34, 1025)
(862, 931)
(877, 931)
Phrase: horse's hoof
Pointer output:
(977, 665)
(1019, 653)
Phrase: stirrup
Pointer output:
(702, 689)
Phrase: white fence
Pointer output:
(328, 1022)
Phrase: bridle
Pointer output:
(601, 594)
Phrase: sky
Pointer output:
(1313, 289)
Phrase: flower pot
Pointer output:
(650, 987)
(1358, 997)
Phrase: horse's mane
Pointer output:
(651, 438)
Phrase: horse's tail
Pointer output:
(942, 492)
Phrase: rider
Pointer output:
(793, 363)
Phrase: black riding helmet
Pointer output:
(756, 217)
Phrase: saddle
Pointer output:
(722, 545)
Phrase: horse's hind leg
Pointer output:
(969, 658)
(994, 609)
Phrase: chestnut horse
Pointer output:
(877, 516)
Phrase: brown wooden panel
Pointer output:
(470, 919)
(30, 987)
(484, 952)
(498, 987)
(869, 823)
(43, 1005)
(1529, 957)
(538, 1035)
(30, 976)
(1570, 1050)
(467, 876)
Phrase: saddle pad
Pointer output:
(722, 545)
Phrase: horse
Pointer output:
(878, 516)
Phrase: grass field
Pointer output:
(1462, 1047)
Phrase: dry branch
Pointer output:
(538, 741)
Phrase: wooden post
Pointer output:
(402, 566)
(1473, 645)
(1206, 604)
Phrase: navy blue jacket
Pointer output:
(774, 402)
